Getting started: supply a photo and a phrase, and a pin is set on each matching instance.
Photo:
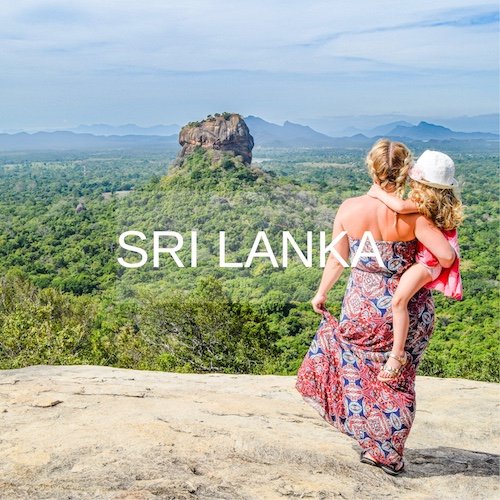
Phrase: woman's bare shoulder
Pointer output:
(358, 202)
(356, 209)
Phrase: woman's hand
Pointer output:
(318, 302)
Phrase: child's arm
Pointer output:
(393, 202)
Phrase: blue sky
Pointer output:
(71, 62)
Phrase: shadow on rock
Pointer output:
(446, 461)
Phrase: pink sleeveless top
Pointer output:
(449, 280)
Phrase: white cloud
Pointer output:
(199, 35)
(127, 43)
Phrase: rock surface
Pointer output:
(101, 432)
(227, 133)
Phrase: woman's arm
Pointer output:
(393, 202)
(432, 238)
(333, 268)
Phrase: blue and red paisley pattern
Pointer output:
(338, 376)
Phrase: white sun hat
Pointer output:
(434, 169)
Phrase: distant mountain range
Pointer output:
(289, 134)
(67, 141)
(336, 126)
(265, 134)
(272, 135)
(379, 130)
(128, 129)
(427, 131)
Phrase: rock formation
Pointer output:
(222, 133)
(80, 208)
(100, 432)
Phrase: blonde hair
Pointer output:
(388, 164)
(442, 206)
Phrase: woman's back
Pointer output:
(365, 213)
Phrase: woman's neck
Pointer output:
(390, 189)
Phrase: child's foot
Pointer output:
(393, 367)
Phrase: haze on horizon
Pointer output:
(66, 63)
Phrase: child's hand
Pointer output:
(374, 191)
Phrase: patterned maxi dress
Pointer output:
(338, 376)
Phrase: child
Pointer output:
(432, 195)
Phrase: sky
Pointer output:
(74, 62)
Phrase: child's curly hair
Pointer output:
(388, 164)
(442, 206)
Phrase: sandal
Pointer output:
(388, 469)
(391, 469)
(367, 460)
(393, 373)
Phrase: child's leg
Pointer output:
(412, 280)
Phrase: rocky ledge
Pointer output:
(107, 433)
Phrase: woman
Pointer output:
(338, 375)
